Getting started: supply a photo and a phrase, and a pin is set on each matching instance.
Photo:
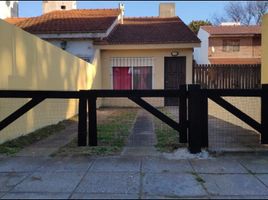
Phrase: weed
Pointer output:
(14, 146)
(198, 178)
(167, 137)
(112, 135)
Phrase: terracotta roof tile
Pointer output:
(70, 21)
(222, 30)
(15, 20)
(151, 30)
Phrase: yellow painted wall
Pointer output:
(249, 105)
(158, 71)
(29, 63)
(264, 59)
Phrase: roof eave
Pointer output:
(235, 35)
(148, 46)
(67, 35)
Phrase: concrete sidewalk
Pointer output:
(134, 177)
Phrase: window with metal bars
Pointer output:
(132, 73)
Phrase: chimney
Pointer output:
(122, 8)
(167, 10)
(49, 6)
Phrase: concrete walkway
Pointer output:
(52, 143)
(139, 177)
(142, 138)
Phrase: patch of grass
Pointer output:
(112, 136)
(167, 137)
(14, 146)
(198, 178)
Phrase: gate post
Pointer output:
(183, 114)
(92, 119)
(264, 114)
(82, 119)
(195, 121)
(204, 117)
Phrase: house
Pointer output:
(229, 44)
(132, 53)
(8, 9)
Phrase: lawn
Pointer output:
(167, 137)
(113, 132)
(14, 146)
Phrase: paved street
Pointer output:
(134, 177)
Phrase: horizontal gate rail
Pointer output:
(135, 93)
(39, 94)
(97, 93)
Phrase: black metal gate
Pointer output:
(193, 114)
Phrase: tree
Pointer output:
(195, 25)
(246, 13)
(235, 11)
(261, 8)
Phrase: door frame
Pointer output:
(165, 64)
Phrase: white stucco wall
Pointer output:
(79, 48)
(201, 54)
(8, 9)
(49, 6)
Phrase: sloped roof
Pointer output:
(229, 30)
(15, 20)
(69, 21)
(150, 30)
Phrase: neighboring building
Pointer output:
(72, 30)
(49, 6)
(133, 53)
(229, 44)
(8, 9)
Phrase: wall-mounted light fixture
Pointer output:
(63, 45)
(213, 49)
(174, 53)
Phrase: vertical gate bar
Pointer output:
(195, 122)
(92, 120)
(264, 114)
(204, 118)
(82, 120)
(183, 114)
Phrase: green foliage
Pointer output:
(167, 137)
(112, 136)
(14, 146)
(195, 25)
(198, 178)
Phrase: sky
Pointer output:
(186, 10)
